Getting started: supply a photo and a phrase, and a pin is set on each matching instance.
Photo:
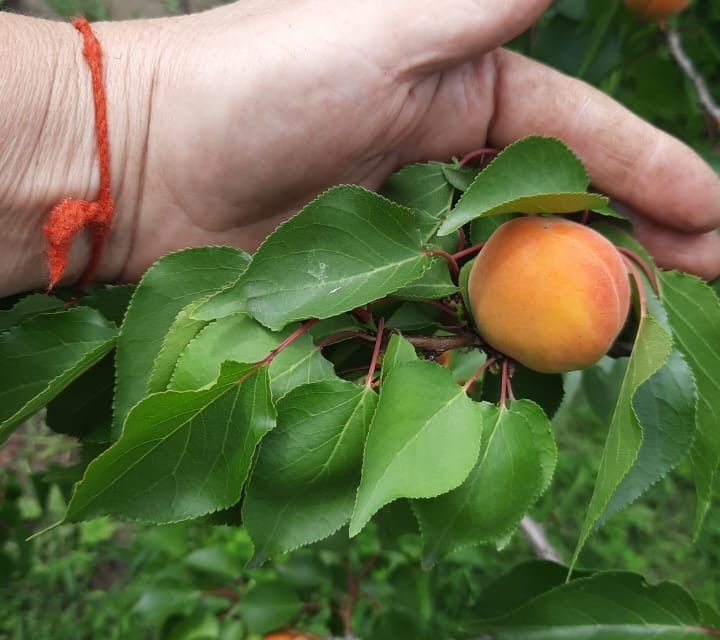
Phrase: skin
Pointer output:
(225, 123)
(657, 9)
(550, 293)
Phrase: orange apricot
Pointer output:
(550, 293)
(657, 9)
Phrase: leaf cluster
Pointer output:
(337, 370)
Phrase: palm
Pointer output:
(272, 102)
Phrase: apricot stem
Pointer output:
(637, 259)
(639, 285)
(585, 217)
(479, 153)
(376, 354)
(448, 257)
(462, 239)
(474, 377)
(505, 388)
(468, 252)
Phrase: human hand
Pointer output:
(257, 106)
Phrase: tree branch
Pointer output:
(444, 343)
(688, 67)
(535, 535)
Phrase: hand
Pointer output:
(257, 106)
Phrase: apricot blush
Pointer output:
(657, 9)
(550, 293)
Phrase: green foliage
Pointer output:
(182, 454)
(168, 286)
(207, 365)
(218, 425)
(43, 355)
(694, 315)
(304, 482)
(652, 349)
(409, 434)
(242, 339)
(608, 605)
(518, 180)
(345, 249)
(515, 467)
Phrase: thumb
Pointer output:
(418, 36)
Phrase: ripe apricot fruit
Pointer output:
(550, 293)
(657, 9)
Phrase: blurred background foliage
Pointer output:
(104, 579)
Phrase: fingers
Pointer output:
(694, 253)
(417, 36)
(629, 159)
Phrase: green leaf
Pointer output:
(345, 249)
(545, 389)
(522, 583)
(182, 454)
(460, 177)
(607, 606)
(44, 355)
(399, 351)
(181, 333)
(165, 289)
(609, 212)
(420, 186)
(463, 281)
(242, 339)
(411, 316)
(665, 408)
(515, 467)
(652, 348)
(693, 310)
(533, 175)
(303, 486)
(435, 283)
(27, 308)
(332, 326)
(423, 441)
(110, 300)
(268, 606)
(482, 228)
(84, 409)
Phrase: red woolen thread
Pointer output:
(67, 219)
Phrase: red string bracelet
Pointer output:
(67, 219)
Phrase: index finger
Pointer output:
(627, 158)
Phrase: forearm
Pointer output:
(48, 141)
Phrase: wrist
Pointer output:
(49, 121)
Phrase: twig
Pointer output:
(677, 50)
(444, 343)
(479, 153)
(185, 6)
(462, 239)
(344, 335)
(505, 383)
(534, 533)
(639, 285)
(448, 257)
(474, 377)
(469, 251)
(295, 335)
(647, 270)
